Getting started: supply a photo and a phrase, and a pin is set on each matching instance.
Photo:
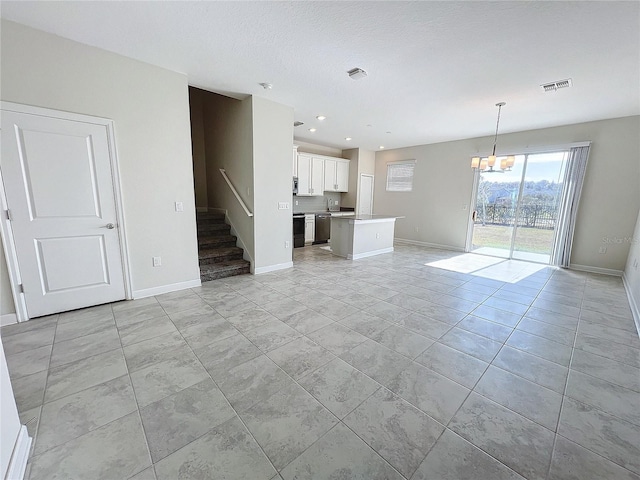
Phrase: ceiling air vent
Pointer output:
(297, 124)
(553, 86)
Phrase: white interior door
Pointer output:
(365, 194)
(57, 176)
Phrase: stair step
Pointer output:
(224, 269)
(209, 216)
(217, 255)
(216, 241)
(213, 228)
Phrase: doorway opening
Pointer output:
(516, 211)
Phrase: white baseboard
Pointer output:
(173, 287)
(590, 269)
(20, 455)
(8, 319)
(633, 303)
(369, 254)
(405, 241)
(273, 268)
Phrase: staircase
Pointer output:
(217, 252)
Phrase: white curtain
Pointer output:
(566, 221)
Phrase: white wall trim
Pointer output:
(20, 455)
(273, 268)
(634, 303)
(405, 241)
(172, 287)
(590, 269)
(369, 254)
(8, 319)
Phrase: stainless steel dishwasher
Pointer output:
(323, 228)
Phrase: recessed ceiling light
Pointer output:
(381, 147)
(347, 139)
(266, 85)
(312, 130)
(321, 117)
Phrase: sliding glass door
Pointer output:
(516, 211)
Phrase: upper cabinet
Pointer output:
(310, 175)
(318, 174)
(336, 175)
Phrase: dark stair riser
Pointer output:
(217, 242)
(210, 217)
(213, 229)
(207, 274)
(227, 257)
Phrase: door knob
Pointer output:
(110, 226)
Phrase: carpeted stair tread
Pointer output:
(224, 269)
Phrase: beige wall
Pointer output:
(443, 182)
(196, 106)
(349, 199)
(228, 144)
(362, 161)
(632, 269)
(272, 146)
(150, 110)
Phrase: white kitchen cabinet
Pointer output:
(310, 175)
(336, 175)
(309, 228)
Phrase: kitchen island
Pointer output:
(359, 236)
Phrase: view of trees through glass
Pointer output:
(516, 211)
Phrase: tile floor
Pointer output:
(392, 367)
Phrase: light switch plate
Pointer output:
(179, 207)
(283, 205)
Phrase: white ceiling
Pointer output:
(435, 69)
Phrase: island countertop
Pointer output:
(362, 218)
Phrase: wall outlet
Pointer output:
(602, 249)
(283, 205)
(297, 203)
(286, 244)
(179, 207)
(377, 235)
(157, 261)
(335, 202)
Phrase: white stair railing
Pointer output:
(235, 192)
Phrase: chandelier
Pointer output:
(489, 162)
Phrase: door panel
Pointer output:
(59, 187)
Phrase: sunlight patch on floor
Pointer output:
(466, 263)
(510, 271)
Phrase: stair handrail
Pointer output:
(235, 192)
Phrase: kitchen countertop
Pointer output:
(367, 218)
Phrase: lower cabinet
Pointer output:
(309, 228)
